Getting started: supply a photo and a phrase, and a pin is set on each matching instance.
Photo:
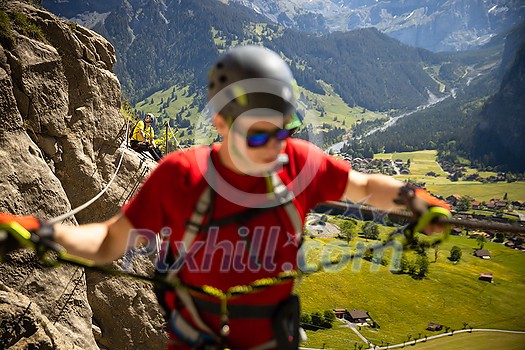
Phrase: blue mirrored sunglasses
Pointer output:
(260, 139)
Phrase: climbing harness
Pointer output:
(200, 221)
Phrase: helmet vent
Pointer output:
(220, 65)
(223, 79)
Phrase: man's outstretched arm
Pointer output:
(100, 242)
(386, 193)
(376, 190)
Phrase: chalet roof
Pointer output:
(479, 233)
(355, 314)
(434, 326)
(337, 310)
(486, 277)
(482, 252)
(455, 196)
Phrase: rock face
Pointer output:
(21, 324)
(60, 135)
(125, 311)
(498, 139)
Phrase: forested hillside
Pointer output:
(366, 67)
(161, 44)
(453, 119)
(165, 48)
(499, 138)
(484, 122)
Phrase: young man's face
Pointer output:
(255, 143)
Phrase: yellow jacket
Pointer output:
(147, 130)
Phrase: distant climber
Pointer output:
(141, 138)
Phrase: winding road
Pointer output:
(422, 340)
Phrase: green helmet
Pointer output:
(248, 78)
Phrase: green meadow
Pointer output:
(451, 295)
(475, 340)
(422, 162)
(334, 111)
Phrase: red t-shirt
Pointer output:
(236, 254)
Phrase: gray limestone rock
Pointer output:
(61, 132)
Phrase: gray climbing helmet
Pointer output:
(248, 78)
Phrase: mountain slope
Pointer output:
(161, 44)
(437, 25)
(484, 122)
(499, 136)
(366, 67)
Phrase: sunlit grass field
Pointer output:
(450, 295)
(422, 162)
(475, 340)
(336, 111)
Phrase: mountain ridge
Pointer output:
(441, 25)
(498, 138)
(163, 45)
(180, 47)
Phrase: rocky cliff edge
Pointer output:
(61, 133)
